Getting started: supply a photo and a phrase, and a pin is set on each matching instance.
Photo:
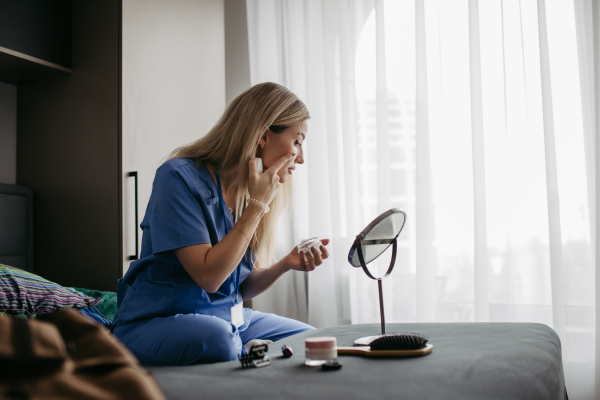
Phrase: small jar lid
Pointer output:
(308, 243)
(321, 343)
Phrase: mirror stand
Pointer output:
(372, 242)
(364, 341)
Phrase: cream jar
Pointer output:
(319, 350)
(307, 244)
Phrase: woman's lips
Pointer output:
(290, 170)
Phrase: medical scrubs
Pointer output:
(164, 317)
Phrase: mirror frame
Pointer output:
(356, 246)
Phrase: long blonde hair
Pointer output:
(234, 138)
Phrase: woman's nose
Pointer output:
(299, 158)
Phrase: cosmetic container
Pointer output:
(308, 243)
(319, 350)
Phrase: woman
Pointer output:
(209, 232)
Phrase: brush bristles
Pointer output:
(399, 341)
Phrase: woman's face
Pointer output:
(273, 146)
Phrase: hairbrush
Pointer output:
(255, 357)
(403, 344)
(399, 341)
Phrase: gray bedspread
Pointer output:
(469, 361)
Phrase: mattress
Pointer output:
(468, 361)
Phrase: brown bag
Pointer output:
(63, 355)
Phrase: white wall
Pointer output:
(173, 87)
(8, 133)
(237, 56)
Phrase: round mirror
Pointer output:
(370, 244)
(377, 237)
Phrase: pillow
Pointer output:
(25, 294)
(96, 316)
(104, 312)
(19, 316)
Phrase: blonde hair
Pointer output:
(234, 138)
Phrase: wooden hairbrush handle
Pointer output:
(367, 352)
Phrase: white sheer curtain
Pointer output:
(477, 118)
(310, 48)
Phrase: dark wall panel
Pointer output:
(68, 152)
(38, 28)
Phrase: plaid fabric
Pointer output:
(96, 316)
(108, 306)
(26, 294)
(18, 316)
(104, 312)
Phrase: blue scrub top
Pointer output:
(183, 210)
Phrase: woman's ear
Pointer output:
(264, 138)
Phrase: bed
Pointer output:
(468, 361)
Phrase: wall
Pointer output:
(237, 56)
(173, 89)
(8, 133)
(38, 28)
(68, 153)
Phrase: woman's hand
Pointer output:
(260, 279)
(263, 187)
(295, 259)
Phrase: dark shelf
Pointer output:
(18, 68)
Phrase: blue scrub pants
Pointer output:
(186, 339)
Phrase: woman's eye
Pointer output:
(297, 143)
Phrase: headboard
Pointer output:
(16, 226)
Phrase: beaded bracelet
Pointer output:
(260, 203)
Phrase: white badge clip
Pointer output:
(237, 315)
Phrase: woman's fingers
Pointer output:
(316, 255)
(264, 187)
(324, 251)
(310, 259)
(302, 263)
(280, 163)
(253, 166)
(310, 263)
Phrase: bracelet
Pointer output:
(260, 203)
